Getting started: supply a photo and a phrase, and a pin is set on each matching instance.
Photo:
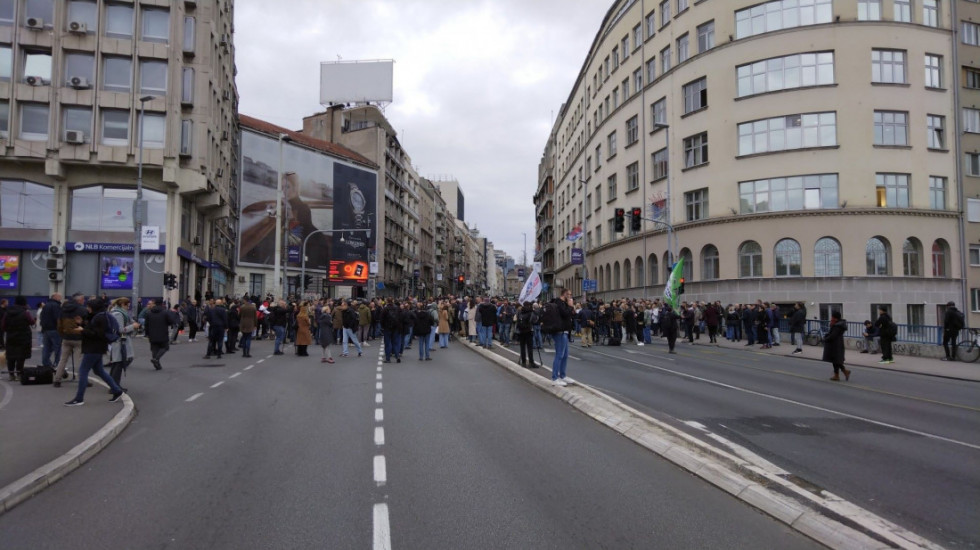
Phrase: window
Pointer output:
(117, 74)
(940, 259)
(611, 188)
(632, 130)
(42, 9)
(706, 36)
(783, 73)
(975, 255)
(893, 190)
(891, 128)
(37, 63)
(912, 258)
(781, 14)
(659, 159)
(937, 193)
(598, 157)
(813, 192)
(664, 13)
(687, 271)
(681, 5)
(598, 235)
(651, 24)
(888, 66)
(605, 69)
(975, 300)
(154, 130)
(625, 46)
(886, 307)
(637, 36)
(971, 78)
(25, 205)
(697, 204)
(83, 11)
(633, 176)
(615, 58)
(637, 81)
(6, 62)
(115, 127)
(696, 95)
(971, 120)
(876, 253)
(973, 210)
(902, 11)
(827, 258)
(256, 284)
(869, 10)
(187, 86)
(186, 137)
(659, 111)
(78, 119)
(916, 316)
(108, 209)
(970, 33)
(153, 77)
(787, 133)
(33, 121)
(936, 132)
(665, 60)
(6, 12)
(683, 49)
(4, 118)
(598, 196)
(789, 258)
(81, 65)
(652, 69)
(934, 71)
(626, 88)
(611, 145)
(973, 164)
(696, 150)
(709, 262)
(119, 20)
(156, 25)
(189, 35)
(750, 260)
(930, 12)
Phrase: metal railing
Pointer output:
(918, 334)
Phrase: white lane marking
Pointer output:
(379, 367)
(379, 435)
(573, 357)
(378, 386)
(802, 404)
(379, 363)
(250, 367)
(215, 385)
(697, 425)
(378, 398)
(380, 472)
(379, 376)
(237, 374)
(631, 351)
(260, 360)
(193, 397)
(379, 415)
(382, 531)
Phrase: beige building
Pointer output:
(966, 83)
(789, 167)
(73, 77)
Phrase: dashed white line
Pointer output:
(382, 531)
(378, 386)
(215, 385)
(379, 415)
(379, 435)
(378, 398)
(380, 472)
(193, 397)
(237, 374)
(259, 361)
(379, 376)
(250, 367)
(379, 366)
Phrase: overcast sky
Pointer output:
(477, 84)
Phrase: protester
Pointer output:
(887, 331)
(350, 321)
(444, 328)
(953, 323)
(557, 321)
(423, 328)
(217, 319)
(247, 323)
(325, 320)
(94, 346)
(304, 337)
(158, 322)
(797, 326)
(121, 353)
(526, 319)
(833, 347)
(17, 323)
(51, 340)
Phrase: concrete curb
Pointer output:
(821, 516)
(36, 481)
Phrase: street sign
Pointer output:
(590, 285)
(520, 273)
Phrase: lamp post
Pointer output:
(302, 273)
(278, 277)
(671, 244)
(138, 211)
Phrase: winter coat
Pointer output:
(93, 333)
(712, 317)
(668, 323)
(50, 314)
(443, 320)
(234, 318)
(247, 318)
(67, 325)
(338, 318)
(157, 324)
(303, 335)
(17, 323)
(217, 318)
(408, 321)
(833, 343)
(797, 323)
(471, 323)
(488, 314)
(423, 323)
(364, 315)
(124, 343)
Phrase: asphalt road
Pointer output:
(284, 452)
(904, 446)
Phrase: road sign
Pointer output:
(590, 285)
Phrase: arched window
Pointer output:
(653, 267)
(750, 259)
(640, 276)
(600, 282)
(940, 258)
(827, 258)
(709, 262)
(627, 274)
(789, 258)
(912, 257)
(688, 268)
(877, 256)
(609, 278)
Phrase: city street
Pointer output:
(903, 446)
(286, 452)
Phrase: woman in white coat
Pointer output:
(121, 352)
(471, 320)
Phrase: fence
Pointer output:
(916, 334)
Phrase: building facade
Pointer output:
(784, 166)
(965, 80)
(75, 76)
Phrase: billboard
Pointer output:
(116, 273)
(356, 81)
(320, 193)
(9, 269)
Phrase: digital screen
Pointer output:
(9, 266)
(348, 272)
(117, 273)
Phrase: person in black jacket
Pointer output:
(526, 319)
(17, 323)
(487, 320)
(94, 346)
(423, 328)
(886, 335)
(157, 325)
(559, 329)
(234, 322)
(668, 326)
(49, 331)
(217, 318)
(391, 326)
(408, 325)
(833, 346)
(952, 325)
(797, 326)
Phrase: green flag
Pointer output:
(670, 292)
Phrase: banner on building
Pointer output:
(578, 256)
(116, 273)
(9, 269)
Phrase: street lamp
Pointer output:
(671, 244)
(277, 275)
(138, 211)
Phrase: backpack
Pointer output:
(550, 318)
(958, 321)
(112, 333)
(525, 321)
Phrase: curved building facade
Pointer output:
(796, 150)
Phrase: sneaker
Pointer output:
(323, 359)
(344, 355)
(672, 351)
(74, 403)
(156, 364)
(797, 351)
(116, 397)
(358, 354)
(883, 362)
(864, 351)
(561, 382)
(398, 359)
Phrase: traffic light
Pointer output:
(170, 281)
(680, 287)
(307, 281)
(620, 223)
(636, 217)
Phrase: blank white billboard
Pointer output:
(356, 81)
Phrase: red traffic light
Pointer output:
(637, 212)
(461, 278)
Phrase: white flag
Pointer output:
(532, 288)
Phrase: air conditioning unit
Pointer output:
(77, 27)
(35, 23)
(79, 82)
(56, 250)
(56, 264)
(197, 241)
(75, 137)
(56, 276)
(35, 81)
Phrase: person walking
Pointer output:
(797, 326)
(325, 320)
(17, 323)
(668, 326)
(247, 323)
(71, 341)
(157, 329)
(833, 346)
(712, 319)
(217, 319)
(304, 337)
(350, 324)
(278, 318)
(51, 340)
(953, 323)
(422, 329)
(887, 331)
(526, 319)
(121, 353)
(94, 346)
(364, 323)
(193, 319)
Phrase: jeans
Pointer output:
(424, 346)
(646, 335)
(215, 341)
(730, 332)
(505, 333)
(527, 352)
(486, 335)
(561, 356)
(537, 336)
(350, 335)
(432, 336)
(93, 362)
(52, 345)
(393, 344)
(407, 340)
(157, 349)
(246, 343)
(774, 336)
(444, 340)
(797, 339)
(280, 336)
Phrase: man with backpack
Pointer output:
(391, 326)
(351, 321)
(557, 321)
(96, 335)
(526, 319)
(953, 323)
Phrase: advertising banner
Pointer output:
(578, 257)
(117, 273)
(9, 269)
